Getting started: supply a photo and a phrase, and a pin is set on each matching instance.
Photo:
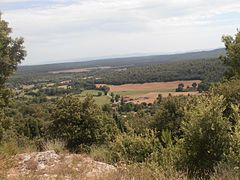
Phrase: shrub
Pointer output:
(233, 158)
(138, 121)
(56, 145)
(207, 135)
(77, 122)
(231, 92)
(102, 154)
(169, 116)
(134, 148)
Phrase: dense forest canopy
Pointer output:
(137, 70)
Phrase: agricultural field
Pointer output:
(100, 100)
(148, 92)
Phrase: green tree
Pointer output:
(11, 54)
(105, 89)
(232, 57)
(81, 123)
(112, 97)
(138, 122)
(169, 115)
(230, 90)
(194, 85)
(207, 135)
(202, 87)
(134, 148)
(117, 97)
(180, 88)
(159, 99)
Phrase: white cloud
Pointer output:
(91, 28)
(11, 1)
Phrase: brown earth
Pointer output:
(151, 97)
(149, 86)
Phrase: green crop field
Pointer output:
(100, 100)
(90, 92)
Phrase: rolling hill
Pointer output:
(123, 62)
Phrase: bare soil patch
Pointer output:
(149, 86)
(151, 97)
(135, 92)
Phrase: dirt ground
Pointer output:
(150, 97)
(149, 86)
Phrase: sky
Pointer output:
(63, 30)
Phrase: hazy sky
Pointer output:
(65, 29)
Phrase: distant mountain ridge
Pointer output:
(124, 61)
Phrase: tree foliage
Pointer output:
(11, 52)
(134, 148)
(169, 116)
(78, 122)
(207, 135)
(232, 58)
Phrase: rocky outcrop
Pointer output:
(50, 165)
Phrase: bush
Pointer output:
(169, 116)
(77, 122)
(102, 154)
(134, 148)
(17, 146)
(207, 135)
(138, 121)
(56, 145)
(233, 158)
(231, 92)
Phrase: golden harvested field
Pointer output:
(149, 86)
(148, 92)
(151, 97)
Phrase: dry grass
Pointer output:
(144, 172)
(69, 169)
(56, 145)
(5, 164)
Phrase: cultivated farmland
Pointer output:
(148, 92)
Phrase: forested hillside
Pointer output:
(125, 61)
(208, 70)
(120, 72)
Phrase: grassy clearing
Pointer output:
(100, 100)
(90, 92)
(63, 86)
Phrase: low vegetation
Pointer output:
(183, 137)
